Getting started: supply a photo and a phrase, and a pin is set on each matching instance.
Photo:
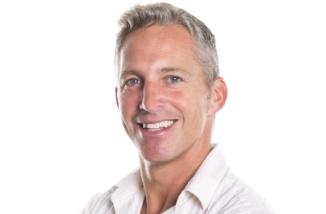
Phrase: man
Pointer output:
(168, 92)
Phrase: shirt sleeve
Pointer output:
(92, 204)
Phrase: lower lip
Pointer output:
(157, 133)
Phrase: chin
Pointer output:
(156, 157)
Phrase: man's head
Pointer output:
(166, 107)
(166, 14)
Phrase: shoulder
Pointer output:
(102, 203)
(236, 197)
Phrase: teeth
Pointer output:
(159, 125)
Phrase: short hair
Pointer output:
(141, 16)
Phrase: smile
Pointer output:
(157, 126)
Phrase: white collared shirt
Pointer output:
(212, 190)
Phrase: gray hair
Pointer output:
(142, 16)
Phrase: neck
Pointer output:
(163, 182)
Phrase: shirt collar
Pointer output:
(202, 184)
(208, 176)
(126, 188)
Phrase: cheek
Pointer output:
(177, 99)
(191, 96)
(128, 105)
(190, 103)
(175, 95)
(196, 107)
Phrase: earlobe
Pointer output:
(218, 95)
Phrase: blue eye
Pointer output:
(132, 82)
(173, 79)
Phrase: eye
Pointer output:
(132, 82)
(172, 79)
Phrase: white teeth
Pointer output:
(159, 125)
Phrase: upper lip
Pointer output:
(153, 121)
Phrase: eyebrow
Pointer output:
(162, 70)
(129, 72)
(173, 69)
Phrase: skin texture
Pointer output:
(160, 79)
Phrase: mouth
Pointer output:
(157, 126)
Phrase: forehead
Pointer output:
(169, 33)
(158, 44)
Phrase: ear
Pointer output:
(218, 95)
(116, 97)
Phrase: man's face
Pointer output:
(162, 93)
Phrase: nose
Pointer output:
(151, 97)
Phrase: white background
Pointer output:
(61, 139)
